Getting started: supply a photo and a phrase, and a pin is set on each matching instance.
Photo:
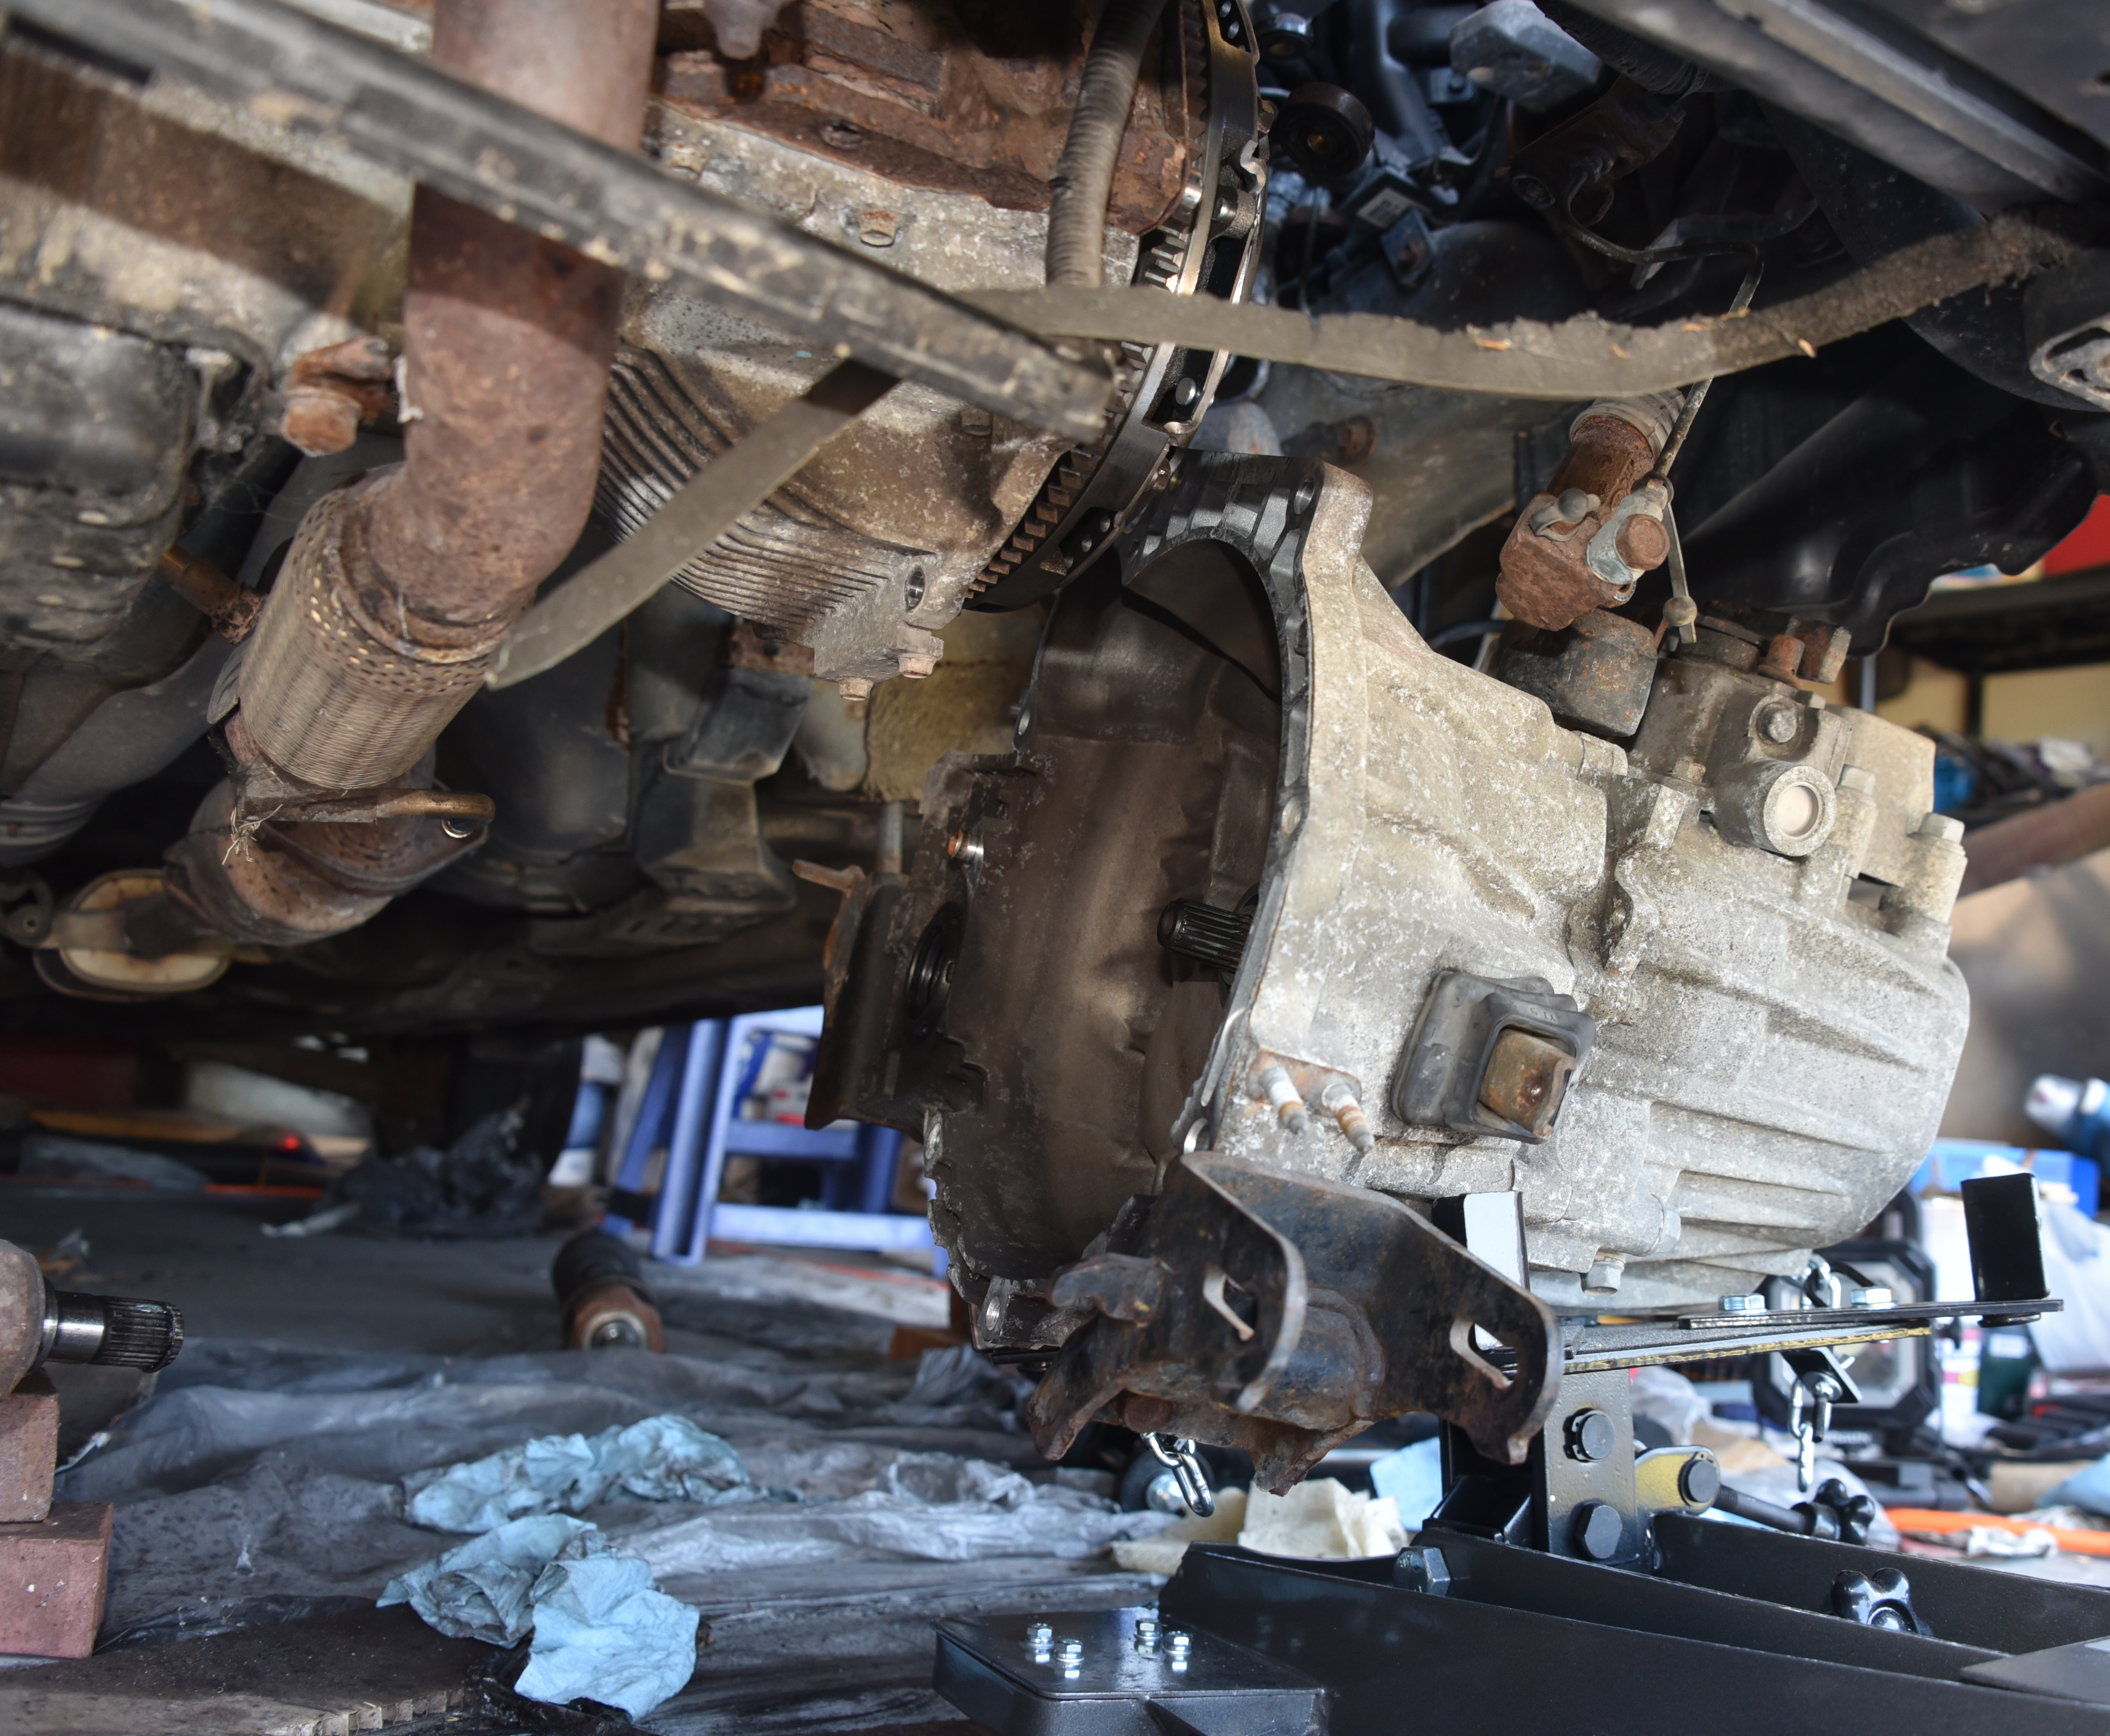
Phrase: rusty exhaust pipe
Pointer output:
(399, 588)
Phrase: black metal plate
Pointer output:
(1394, 1661)
(1972, 1606)
(2078, 1672)
(989, 1671)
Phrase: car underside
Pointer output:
(1256, 600)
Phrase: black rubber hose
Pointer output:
(1084, 177)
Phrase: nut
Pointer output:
(878, 228)
(329, 391)
(1642, 542)
(1783, 657)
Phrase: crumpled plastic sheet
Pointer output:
(261, 1483)
(663, 1458)
(602, 1630)
(484, 1589)
(928, 1506)
(484, 1184)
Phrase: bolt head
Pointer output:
(1422, 1570)
(1597, 1529)
(1747, 1304)
(1875, 1296)
(1776, 723)
(1699, 1481)
(1642, 542)
(1038, 1634)
(1592, 1436)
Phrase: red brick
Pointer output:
(52, 1581)
(29, 1449)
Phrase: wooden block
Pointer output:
(52, 1576)
(28, 1450)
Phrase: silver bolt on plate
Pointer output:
(1282, 1094)
(1875, 1296)
(1750, 1304)
(1177, 1646)
(1340, 1101)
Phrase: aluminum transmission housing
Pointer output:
(1232, 713)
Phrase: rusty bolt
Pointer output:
(233, 611)
(964, 848)
(878, 228)
(1643, 542)
(329, 391)
(1350, 442)
(1281, 1094)
(319, 422)
(1783, 657)
(1526, 1079)
(1338, 1100)
(855, 687)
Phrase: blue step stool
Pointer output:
(691, 1105)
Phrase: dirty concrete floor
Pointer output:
(861, 1661)
(208, 1255)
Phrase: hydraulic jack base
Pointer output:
(1590, 1589)
(1527, 1644)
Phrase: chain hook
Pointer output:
(1185, 1464)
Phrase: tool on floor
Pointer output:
(601, 1291)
